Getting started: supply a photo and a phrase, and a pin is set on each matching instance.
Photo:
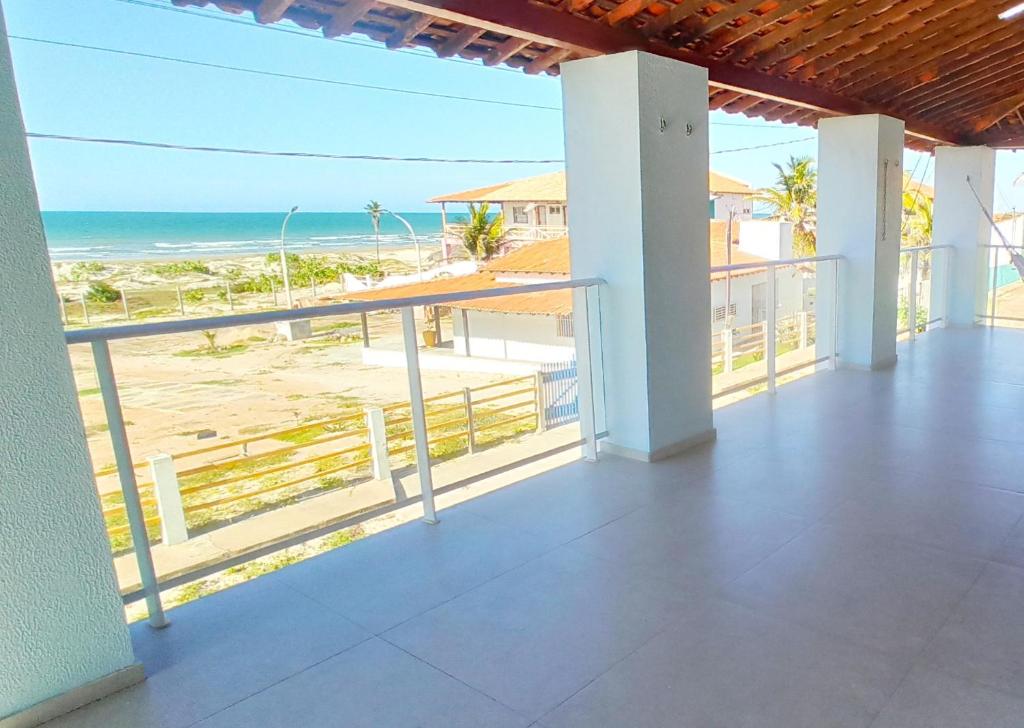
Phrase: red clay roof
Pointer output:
(551, 188)
(548, 257)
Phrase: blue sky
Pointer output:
(79, 92)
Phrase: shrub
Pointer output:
(195, 295)
(181, 267)
(102, 292)
(84, 270)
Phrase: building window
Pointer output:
(720, 312)
(565, 327)
(519, 216)
(554, 209)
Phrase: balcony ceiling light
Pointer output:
(1012, 12)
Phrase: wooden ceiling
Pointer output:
(950, 68)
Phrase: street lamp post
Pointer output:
(284, 258)
(415, 241)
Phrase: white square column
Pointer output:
(860, 209)
(62, 628)
(636, 147)
(960, 221)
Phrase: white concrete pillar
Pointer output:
(173, 526)
(636, 147)
(63, 639)
(959, 221)
(860, 208)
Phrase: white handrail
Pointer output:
(161, 328)
(774, 263)
(925, 248)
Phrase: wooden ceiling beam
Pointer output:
(681, 11)
(270, 11)
(899, 50)
(344, 20)
(844, 49)
(782, 32)
(721, 98)
(554, 27)
(626, 10)
(978, 72)
(408, 30)
(915, 62)
(732, 36)
(725, 16)
(961, 61)
(506, 50)
(851, 22)
(546, 60)
(459, 41)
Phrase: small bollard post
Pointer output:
(803, 329)
(378, 438)
(173, 527)
(727, 349)
(538, 385)
(181, 300)
(85, 309)
(124, 302)
(364, 325)
(467, 400)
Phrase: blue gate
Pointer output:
(561, 404)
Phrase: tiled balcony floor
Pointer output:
(849, 553)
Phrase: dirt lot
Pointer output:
(173, 387)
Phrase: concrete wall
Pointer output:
(61, 622)
(766, 238)
(741, 205)
(515, 336)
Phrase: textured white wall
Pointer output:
(516, 336)
(636, 148)
(61, 623)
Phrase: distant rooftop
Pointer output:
(551, 188)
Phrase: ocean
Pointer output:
(73, 236)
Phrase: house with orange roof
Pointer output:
(534, 208)
(538, 327)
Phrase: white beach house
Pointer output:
(535, 208)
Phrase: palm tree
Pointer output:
(917, 219)
(794, 198)
(483, 234)
(374, 209)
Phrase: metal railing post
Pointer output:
(312, 283)
(124, 303)
(803, 323)
(378, 438)
(273, 291)
(85, 309)
(465, 330)
(995, 285)
(539, 401)
(770, 330)
(833, 336)
(584, 373)
(467, 400)
(437, 326)
(181, 300)
(129, 486)
(912, 297)
(173, 527)
(727, 354)
(419, 415)
(231, 301)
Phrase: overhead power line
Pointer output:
(266, 153)
(764, 146)
(277, 74)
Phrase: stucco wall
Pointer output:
(519, 337)
(61, 623)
